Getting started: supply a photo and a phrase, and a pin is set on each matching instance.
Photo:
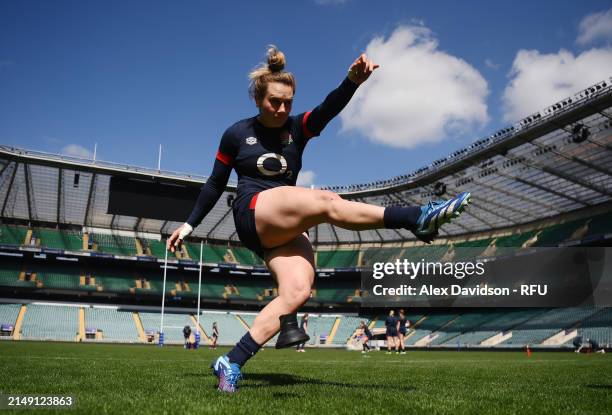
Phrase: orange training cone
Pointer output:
(528, 351)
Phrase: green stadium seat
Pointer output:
(66, 240)
(337, 258)
(554, 235)
(158, 248)
(245, 256)
(515, 240)
(50, 322)
(211, 254)
(115, 325)
(114, 244)
(12, 235)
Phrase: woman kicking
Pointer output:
(272, 215)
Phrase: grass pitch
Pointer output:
(113, 379)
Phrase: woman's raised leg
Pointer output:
(283, 213)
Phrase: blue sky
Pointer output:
(130, 75)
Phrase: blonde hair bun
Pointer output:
(276, 59)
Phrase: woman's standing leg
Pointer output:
(292, 265)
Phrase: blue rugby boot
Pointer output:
(435, 214)
(227, 373)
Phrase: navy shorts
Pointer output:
(391, 332)
(244, 219)
(403, 331)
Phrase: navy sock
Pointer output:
(243, 350)
(396, 217)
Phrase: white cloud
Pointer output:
(75, 150)
(538, 80)
(418, 95)
(595, 26)
(306, 178)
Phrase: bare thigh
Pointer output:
(295, 257)
(292, 266)
(283, 213)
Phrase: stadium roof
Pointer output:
(555, 161)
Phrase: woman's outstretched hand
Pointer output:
(361, 69)
(176, 240)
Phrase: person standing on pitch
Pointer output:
(392, 323)
(401, 333)
(272, 215)
(304, 328)
(365, 337)
(215, 335)
(187, 335)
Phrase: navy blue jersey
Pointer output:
(402, 322)
(264, 157)
(391, 322)
(367, 332)
(304, 323)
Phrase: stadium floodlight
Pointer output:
(580, 133)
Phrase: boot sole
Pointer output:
(292, 343)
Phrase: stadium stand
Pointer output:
(245, 256)
(248, 319)
(463, 323)
(427, 327)
(525, 194)
(66, 240)
(50, 322)
(9, 275)
(380, 254)
(113, 325)
(230, 327)
(542, 326)
(598, 326)
(560, 233)
(173, 325)
(155, 248)
(338, 258)
(515, 240)
(319, 327)
(211, 254)
(111, 281)
(61, 279)
(9, 313)
(348, 325)
(113, 244)
(13, 235)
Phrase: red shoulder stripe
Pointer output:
(305, 129)
(224, 158)
(253, 201)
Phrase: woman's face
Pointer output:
(275, 107)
